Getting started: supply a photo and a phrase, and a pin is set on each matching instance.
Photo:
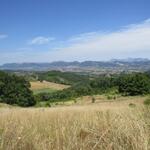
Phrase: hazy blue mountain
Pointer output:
(130, 64)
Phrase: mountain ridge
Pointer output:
(137, 64)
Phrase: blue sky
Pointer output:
(52, 30)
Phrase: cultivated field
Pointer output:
(113, 125)
(45, 86)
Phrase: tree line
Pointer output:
(15, 90)
(126, 84)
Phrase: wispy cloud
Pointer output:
(40, 40)
(130, 41)
(3, 36)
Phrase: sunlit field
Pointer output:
(116, 125)
(38, 87)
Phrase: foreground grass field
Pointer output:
(99, 126)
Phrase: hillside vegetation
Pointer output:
(123, 84)
(68, 78)
(15, 90)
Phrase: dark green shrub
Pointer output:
(134, 84)
(48, 104)
(147, 101)
(93, 99)
(75, 101)
(15, 90)
(132, 105)
(109, 97)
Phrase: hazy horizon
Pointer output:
(108, 60)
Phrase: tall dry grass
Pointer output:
(75, 128)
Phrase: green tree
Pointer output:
(15, 90)
(134, 84)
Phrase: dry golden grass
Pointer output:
(37, 85)
(102, 99)
(89, 127)
(103, 102)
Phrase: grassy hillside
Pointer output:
(103, 126)
(62, 77)
(83, 119)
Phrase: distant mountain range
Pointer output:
(114, 65)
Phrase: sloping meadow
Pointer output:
(76, 127)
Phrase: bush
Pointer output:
(75, 101)
(109, 97)
(147, 101)
(48, 104)
(93, 99)
(132, 105)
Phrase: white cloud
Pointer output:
(40, 40)
(131, 41)
(3, 36)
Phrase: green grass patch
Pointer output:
(47, 90)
